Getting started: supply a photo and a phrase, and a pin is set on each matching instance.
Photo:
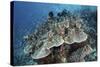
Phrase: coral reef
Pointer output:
(62, 38)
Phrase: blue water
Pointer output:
(27, 16)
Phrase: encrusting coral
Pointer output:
(57, 31)
(80, 54)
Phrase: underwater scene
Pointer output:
(50, 33)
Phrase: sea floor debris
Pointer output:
(60, 39)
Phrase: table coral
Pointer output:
(58, 31)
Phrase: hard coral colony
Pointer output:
(55, 40)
